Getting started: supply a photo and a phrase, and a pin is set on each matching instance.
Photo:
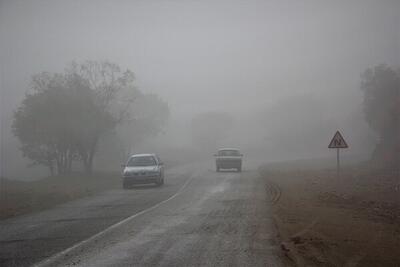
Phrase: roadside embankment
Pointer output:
(20, 197)
(327, 221)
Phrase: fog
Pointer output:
(287, 72)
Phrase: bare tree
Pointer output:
(67, 114)
(44, 123)
(114, 92)
(381, 87)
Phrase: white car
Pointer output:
(143, 169)
(228, 158)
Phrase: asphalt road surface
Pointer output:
(198, 218)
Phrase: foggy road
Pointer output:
(198, 218)
(94, 90)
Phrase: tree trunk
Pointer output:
(68, 163)
(88, 163)
(88, 167)
(87, 155)
(51, 168)
(59, 165)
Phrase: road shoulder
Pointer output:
(326, 222)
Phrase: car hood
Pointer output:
(141, 169)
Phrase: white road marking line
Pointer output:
(56, 256)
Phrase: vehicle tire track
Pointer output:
(274, 192)
(288, 247)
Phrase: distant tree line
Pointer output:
(381, 88)
(64, 117)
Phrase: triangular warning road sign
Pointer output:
(338, 141)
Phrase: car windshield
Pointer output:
(141, 161)
(228, 153)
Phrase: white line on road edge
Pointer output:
(55, 257)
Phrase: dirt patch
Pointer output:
(326, 221)
(19, 197)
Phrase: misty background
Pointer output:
(287, 72)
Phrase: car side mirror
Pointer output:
(215, 155)
(161, 163)
(123, 165)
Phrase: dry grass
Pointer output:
(19, 197)
(325, 221)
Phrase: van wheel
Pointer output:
(160, 182)
(125, 186)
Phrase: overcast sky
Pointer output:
(235, 56)
(202, 55)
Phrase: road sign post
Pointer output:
(338, 142)
(337, 163)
